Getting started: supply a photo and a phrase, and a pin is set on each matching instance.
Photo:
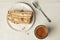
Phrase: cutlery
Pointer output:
(36, 5)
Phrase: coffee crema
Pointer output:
(41, 32)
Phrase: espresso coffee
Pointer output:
(41, 31)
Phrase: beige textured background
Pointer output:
(51, 9)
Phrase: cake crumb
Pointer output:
(27, 33)
(23, 28)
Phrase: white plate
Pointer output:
(26, 7)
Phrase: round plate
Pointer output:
(26, 7)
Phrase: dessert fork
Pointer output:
(36, 5)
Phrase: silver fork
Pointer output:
(36, 5)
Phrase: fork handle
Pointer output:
(44, 14)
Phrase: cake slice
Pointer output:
(20, 17)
